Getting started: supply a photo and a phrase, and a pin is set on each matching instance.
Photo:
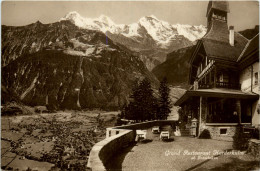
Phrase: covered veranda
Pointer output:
(217, 106)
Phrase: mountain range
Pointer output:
(162, 32)
(150, 38)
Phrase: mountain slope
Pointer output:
(63, 66)
(176, 67)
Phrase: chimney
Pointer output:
(231, 35)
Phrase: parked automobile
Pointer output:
(165, 135)
(156, 129)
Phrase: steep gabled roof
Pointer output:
(218, 5)
(250, 53)
(251, 46)
(216, 42)
(218, 31)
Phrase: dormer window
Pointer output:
(214, 15)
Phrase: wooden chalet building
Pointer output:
(224, 78)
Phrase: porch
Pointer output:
(217, 110)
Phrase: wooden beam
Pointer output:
(238, 108)
(200, 54)
(200, 113)
(210, 77)
(195, 66)
(215, 76)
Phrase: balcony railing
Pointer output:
(205, 86)
(220, 85)
(228, 85)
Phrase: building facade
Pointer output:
(224, 78)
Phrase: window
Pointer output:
(256, 78)
(220, 77)
(225, 77)
(117, 132)
(223, 131)
(214, 15)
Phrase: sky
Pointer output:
(244, 14)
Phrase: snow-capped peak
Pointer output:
(79, 21)
(70, 15)
(106, 20)
(149, 17)
(190, 32)
(153, 16)
(161, 31)
(102, 23)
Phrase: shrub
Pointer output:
(240, 139)
(205, 134)
(256, 133)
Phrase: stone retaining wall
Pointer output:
(215, 132)
(144, 125)
(104, 150)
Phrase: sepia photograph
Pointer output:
(130, 85)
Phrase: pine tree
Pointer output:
(240, 139)
(148, 101)
(143, 105)
(164, 100)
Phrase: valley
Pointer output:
(52, 141)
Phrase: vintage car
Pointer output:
(156, 129)
(165, 135)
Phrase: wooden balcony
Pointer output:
(226, 85)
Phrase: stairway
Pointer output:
(185, 132)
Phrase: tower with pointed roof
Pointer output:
(217, 10)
